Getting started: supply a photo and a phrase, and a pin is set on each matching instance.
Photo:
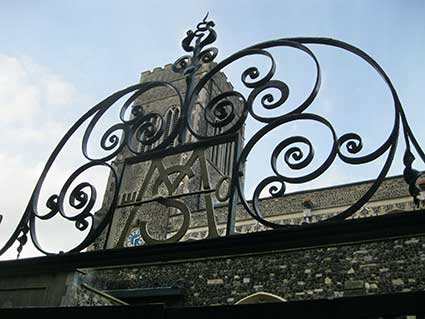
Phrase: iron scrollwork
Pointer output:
(227, 112)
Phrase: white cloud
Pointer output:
(55, 90)
(19, 98)
(29, 95)
(33, 100)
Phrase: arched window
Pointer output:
(171, 120)
(168, 117)
(260, 297)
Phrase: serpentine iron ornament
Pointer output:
(227, 112)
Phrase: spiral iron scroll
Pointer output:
(227, 112)
(221, 108)
(132, 130)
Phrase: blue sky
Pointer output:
(58, 58)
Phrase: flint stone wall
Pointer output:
(326, 272)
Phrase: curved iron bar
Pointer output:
(228, 112)
(83, 196)
(352, 141)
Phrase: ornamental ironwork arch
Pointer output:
(138, 129)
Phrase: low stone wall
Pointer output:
(84, 295)
(328, 272)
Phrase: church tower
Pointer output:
(146, 203)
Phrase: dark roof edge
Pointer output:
(325, 234)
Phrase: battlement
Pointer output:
(167, 74)
(164, 73)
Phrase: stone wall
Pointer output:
(325, 272)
